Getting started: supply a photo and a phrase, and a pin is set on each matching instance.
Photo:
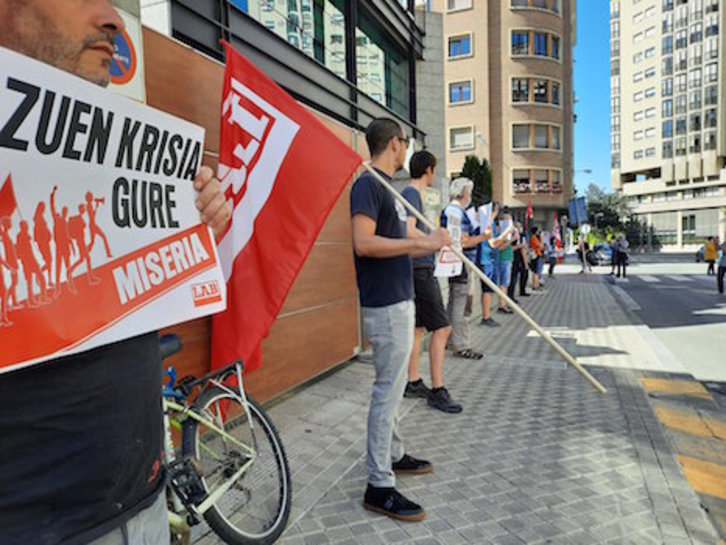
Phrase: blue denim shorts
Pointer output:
(492, 273)
(504, 273)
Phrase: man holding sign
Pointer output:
(383, 253)
(82, 434)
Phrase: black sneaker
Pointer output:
(416, 389)
(412, 466)
(489, 322)
(440, 399)
(390, 502)
(505, 310)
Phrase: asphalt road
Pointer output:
(682, 307)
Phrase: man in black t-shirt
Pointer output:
(430, 312)
(385, 283)
(82, 435)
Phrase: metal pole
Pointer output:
(517, 309)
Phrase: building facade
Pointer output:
(347, 62)
(668, 149)
(509, 87)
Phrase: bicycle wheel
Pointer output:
(255, 510)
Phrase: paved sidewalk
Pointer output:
(537, 456)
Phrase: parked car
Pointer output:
(699, 254)
(601, 254)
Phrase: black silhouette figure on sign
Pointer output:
(62, 245)
(92, 205)
(31, 268)
(77, 231)
(42, 237)
(11, 259)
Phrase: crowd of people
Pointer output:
(401, 296)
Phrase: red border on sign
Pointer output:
(127, 75)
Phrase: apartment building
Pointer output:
(667, 115)
(509, 87)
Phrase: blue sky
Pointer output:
(592, 89)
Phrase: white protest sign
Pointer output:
(100, 239)
(504, 225)
(448, 264)
(473, 217)
(485, 216)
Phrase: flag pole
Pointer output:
(517, 309)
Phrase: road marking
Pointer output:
(705, 477)
(648, 278)
(628, 302)
(720, 310)
(692, 423)
(684, 387)
(679, 278)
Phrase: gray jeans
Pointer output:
(390, 330)
(458, 294)
(149, 527)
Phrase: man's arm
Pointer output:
(411, 230)
(367, 244)
(468, 241)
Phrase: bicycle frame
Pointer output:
(176, 521)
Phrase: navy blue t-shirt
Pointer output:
(386, 281)
(412, 195)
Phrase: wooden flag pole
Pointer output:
(473, 268)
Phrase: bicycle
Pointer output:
(233, 471)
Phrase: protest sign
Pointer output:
(485, 216)
(100, 236)
(473, 215)
(504, 225)
(447, 263)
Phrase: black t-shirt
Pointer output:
(80, 443)
(413, 196)
(388, 281)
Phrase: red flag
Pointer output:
(282, 170)
(556, 232)
(8, 203)
(530, 214)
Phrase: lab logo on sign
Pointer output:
(206, 293)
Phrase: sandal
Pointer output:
(469, 354)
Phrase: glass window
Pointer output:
(520, 3)
(681, 125)
(667, 45)
(540, 91)
(520, 42)
(694, 103)
(540, 44)
(667, 87)
(650, 112)
(521, 180)
(555, 181)
(694, 143)
(650, 92)
(556, 143)
(541, 136)
(638, 76)
(668, 129)
(541, 181)
(667, 150)
(555, 93)
(461, 138)
(711, 95)
(667, 66)
(453, 5)
(668, 108)
(460, 92)
(555, 47)
(520, 90)
(520, 137)
(709, 140)
(710, 118)
(638, 116)
(681, 104)
(680, 146)
(650, 132)
(711, 74)
(650, 152)
(638, 135)
(694, 122)
(459, 46)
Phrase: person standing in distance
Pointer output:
(82, 434)
(430, 311)
(384, 271)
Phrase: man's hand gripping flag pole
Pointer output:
(472, 267)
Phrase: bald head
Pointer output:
(73, 35)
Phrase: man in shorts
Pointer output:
(82, 434)
(430, 312)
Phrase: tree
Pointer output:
(480, 173)
(609, 209)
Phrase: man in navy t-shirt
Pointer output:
(385, 281)
(430, 311)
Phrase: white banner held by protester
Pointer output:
(100, 236)
(448, 263)
(485, 216)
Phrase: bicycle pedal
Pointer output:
(187, 483)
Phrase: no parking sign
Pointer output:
(127, 66)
